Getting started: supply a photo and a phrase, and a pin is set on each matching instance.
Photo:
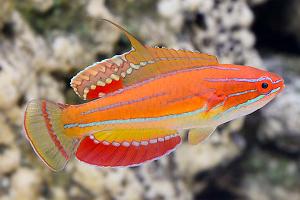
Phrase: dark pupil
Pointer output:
(264, 85)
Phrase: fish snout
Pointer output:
(278, 82)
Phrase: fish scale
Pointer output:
(143, 101)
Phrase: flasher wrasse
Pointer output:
(141, 102)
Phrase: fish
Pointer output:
(140, 104)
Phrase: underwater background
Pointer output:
(43, 43)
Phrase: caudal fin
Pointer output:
(45, 132)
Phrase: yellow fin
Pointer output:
(164, 60)
(161, 60)
(195, 136)
(137, 45)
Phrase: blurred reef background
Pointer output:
(43, 43)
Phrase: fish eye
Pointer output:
(264, 85)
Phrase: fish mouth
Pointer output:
(280, 86)
(276, 90)
(278, 83)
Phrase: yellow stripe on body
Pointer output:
(129, 135)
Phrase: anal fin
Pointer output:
(121, 148)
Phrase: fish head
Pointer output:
(244, 90)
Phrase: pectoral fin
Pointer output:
(195, 136)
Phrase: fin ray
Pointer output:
(140, 63)
(128, 150)
(196, 136)
(45, 132)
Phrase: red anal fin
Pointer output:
(102, 153)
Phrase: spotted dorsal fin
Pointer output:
(139, 64)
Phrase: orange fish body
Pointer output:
(142, 100)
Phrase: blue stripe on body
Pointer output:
(249, 80)
(232, 95)
(155, 78)
(119, 104)
(241, 93)
(136, 120)
(169, 74)
(251, 101)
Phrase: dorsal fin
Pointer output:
(139, 64)
(136, 45)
